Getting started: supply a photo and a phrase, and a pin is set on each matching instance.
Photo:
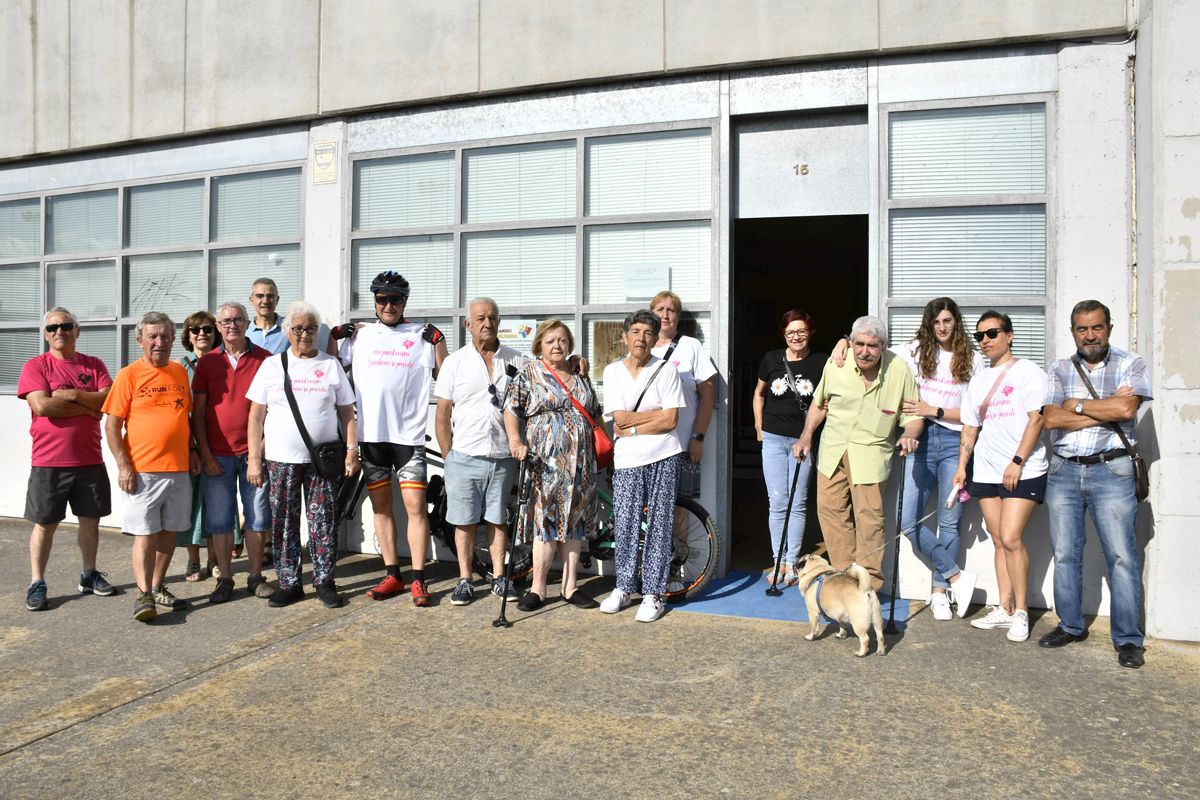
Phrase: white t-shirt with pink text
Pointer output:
(320, 386)
(393, 373)
(941, 390)
(1023, 390)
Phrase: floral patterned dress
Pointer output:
(562, 504)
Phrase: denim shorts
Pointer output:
(478, 488)
(220, 498)
(161, 501)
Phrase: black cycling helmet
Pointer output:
(390, 282)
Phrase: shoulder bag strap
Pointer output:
(578, 405)
(291, 398)
(987, 401)
(1095, 396)
(793, 385)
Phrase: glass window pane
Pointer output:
(962, 251)
(618, 257)
(20, 228)
(170, 282)
(426, 262)
(255, 206)
(520, 267)
(101, 342)
(86, 288)
(133, 350)
(1029, 328)
(234, 273)
(22, 295)
(17, 347)
(530, 181)
(78, 223)
(990, 150)
(647, 173)
(166, 214)
(405, 192)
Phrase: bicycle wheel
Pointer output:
(696, 551)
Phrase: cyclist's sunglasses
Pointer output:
(990, 333)
(391, 299)
(54, 327)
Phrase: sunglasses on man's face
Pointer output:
(390, 299)
(54, 327)
(990, 333)
(207, 330)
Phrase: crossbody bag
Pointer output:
(602, 444)
(329, 458)
(1141, 472)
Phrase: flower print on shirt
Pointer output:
(779, 386)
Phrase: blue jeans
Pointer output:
(779, 466)
(1107, 492)
(930, 470)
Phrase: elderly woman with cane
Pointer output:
(642, 397)
(556, 406)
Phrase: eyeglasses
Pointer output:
(390, 299)
(305, 330)
(795, 334)
(207, 330)
(54, 327)
(232, 321)
(990, 333)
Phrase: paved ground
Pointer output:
(386, 700)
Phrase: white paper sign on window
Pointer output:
(643, 281)
(517, 334)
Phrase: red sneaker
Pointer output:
(388, 587)
(420, 595)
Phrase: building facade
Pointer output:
(569, 159)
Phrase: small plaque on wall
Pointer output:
(324, 162)
(643, 281)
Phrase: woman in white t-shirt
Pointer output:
(642, 397)
(697, 376)
(1002, 426)
(279, 456)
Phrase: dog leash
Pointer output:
(896, 538)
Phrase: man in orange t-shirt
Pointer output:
(151, 400)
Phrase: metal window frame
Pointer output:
(122, 321)
(887, 303)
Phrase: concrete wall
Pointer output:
(85, 73)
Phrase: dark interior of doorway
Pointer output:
(818, 265)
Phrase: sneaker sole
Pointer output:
(993, 627)
(145, 614)
(1012, 638)
(454, 602)
(36, 606)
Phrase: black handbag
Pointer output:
(328, 459)
(1141, 470)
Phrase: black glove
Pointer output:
(343, 330)
(431, 334)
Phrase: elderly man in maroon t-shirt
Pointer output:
(65, 390)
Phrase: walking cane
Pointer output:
(891, 623)
(774, 590)
(522, 498)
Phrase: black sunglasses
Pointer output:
(54, 327)
(207, 329)
(390, 299)
(990, 333)
(492, 392)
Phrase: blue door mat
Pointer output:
(743, 594)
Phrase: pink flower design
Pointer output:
(1007, 390)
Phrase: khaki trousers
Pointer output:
(851, 518)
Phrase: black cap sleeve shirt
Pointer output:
(782, 415)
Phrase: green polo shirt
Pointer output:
(863, 420)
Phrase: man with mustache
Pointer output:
(1092, 473)
(861, 404)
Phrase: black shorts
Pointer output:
(1029, 489)
(51, 488)
(382, 459)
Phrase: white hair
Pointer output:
(299, 308)
(236, 306)
(155, 318)
(59, 310)
(870, 326)
(484, 300)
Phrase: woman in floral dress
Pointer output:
(558, 440)
(786, 379)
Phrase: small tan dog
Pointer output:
(845, 597)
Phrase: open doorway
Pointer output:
(817, 264)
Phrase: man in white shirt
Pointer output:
(470, 430)
(394, 363)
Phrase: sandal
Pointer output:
(214, 570)
(193, 572)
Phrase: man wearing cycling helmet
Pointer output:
(393, 363)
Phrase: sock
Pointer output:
(418, 575)
(394, 571)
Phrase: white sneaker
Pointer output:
(996, 617)
(1018, 631)
(941, 606)
(963, 589)
(650, 609)
(615, 602)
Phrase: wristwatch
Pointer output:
(941, 412)
(1018, 460)
(633, 430)
(699, 437)
(1079, 408)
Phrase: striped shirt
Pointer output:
(1119, 369)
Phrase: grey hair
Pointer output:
(301, 308)
(487, 300)
(236, 306)
(870, 326)
(642, 317)
(59, 310)
(155, 318)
